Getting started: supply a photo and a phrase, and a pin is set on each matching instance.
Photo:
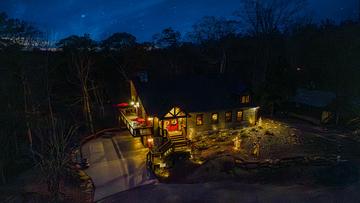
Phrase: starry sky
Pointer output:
(142, 18)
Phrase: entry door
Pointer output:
(173, 125)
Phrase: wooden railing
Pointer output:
(135, 131)
(161, 152)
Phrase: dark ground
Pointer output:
(305, 183)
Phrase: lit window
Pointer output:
(245, 99)
(214, 118)
(199, 119)
(228, 116)
(239, 116)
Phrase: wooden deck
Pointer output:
(136, 129)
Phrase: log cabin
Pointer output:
(172, 111)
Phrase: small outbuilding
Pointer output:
(312, 105)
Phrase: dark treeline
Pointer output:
(271, 47)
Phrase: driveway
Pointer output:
(117, 163)
(232, 191)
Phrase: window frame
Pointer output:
(237, 115)
(228, 119)
(217, 118)
(245, 99)
(202, 119)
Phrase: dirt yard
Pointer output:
(221, 155)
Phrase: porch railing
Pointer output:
(135, 131)
(163, 151)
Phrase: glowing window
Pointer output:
(199, 119)
(228, 116)
(214, 118)
(245, 99)
(239, 115)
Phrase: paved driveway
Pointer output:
(116, 164)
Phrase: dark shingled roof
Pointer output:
(314, 98)
(190, 93)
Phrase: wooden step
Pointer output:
(180, 138)
(177, 138)
(181, 145)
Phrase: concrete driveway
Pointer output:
(116, 163)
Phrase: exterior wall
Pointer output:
(249, 118)
(135, 97)
(142, 112)
(133, 92)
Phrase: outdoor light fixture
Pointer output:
(150, 142)
(132, 103)
(136, 105)
(150, 118)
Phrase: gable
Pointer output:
(175, 112)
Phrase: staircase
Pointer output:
(179, 142)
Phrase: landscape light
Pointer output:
(150, 141)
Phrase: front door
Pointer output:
(172, 125)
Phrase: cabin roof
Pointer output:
(190, 93)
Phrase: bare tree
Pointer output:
(80, 51)
(82, 64)
(266, 17)
(210, 31)
(52, 153)
(211, 28)
(265, 20)
(168, 38)
(6, 152)
(169, 41)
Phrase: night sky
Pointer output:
(142, 18)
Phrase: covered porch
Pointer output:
(173, 126)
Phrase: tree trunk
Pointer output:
(3, 177)
(88, 111)
(223, 62)
(25, 92)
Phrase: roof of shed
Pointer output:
(314, 97)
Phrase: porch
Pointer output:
(173, 126)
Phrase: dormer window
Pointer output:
(245, 99)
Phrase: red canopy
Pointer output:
(140, 120)
(124, 104)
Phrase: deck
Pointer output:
(136, 129)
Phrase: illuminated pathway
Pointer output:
(116, 164)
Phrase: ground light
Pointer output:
(150, 142)
(237, 143)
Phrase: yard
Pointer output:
(274, 151)
(273, 140)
